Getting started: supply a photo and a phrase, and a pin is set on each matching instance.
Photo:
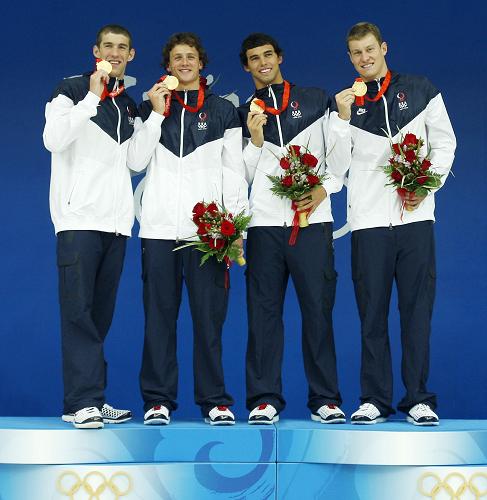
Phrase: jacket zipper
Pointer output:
(118, 160)
(180, 174)
(386, 114)
(271, 94)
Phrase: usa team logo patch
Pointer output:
(296, 112)
(403, 104)
(202, 123)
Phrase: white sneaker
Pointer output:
(367, 414)
(157, 415)
(220, 415)
(329, 414)
(264, 414)
(88, 418)
(422, 414)
(110, 415)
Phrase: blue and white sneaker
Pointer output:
(367, 414)
(220, 415)
(264, 414)
(329, 414)
(422, 414)
(109, 414)
(157, 415)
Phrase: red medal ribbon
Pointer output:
(200, 100)
(228, 262)
(360, 101)
(285, 101)
(105, 93)
(167, 107)
(295, 230)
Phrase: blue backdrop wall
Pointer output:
(47, 41)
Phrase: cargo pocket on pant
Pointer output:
(69, 275)
(330, 287)
(431, 287)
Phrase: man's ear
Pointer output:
(131, 54)
(383, 47)
(96, 51)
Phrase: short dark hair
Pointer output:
(113, 28)
(257, 40)
(184, 38)
(360, 30)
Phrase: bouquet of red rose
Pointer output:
(217, 231)
(408, 170)
(300, 176)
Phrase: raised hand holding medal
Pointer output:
(160, 94)
(100, 77)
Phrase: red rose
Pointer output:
(285, 163)
(199, 209)
(203, 229)
(310, 160)
(410, 140)
(425, 164)
(217, 244)
(287, 181)
(410, 155)
(196, 219)
(205, 239)
(227, 228)
(296, 149)
(312, 180)
(422, 179)
(396, 175)
(397, 148)
(212, 208)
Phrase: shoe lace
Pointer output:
(368, 409)
(423, 408)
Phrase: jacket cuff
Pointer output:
(338, 123)
(91, 100)
(252, 151)
(155, 119)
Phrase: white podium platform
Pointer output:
(46, 459)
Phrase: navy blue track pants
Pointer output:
(163, 273)
(89, 265)
(381, 255)
(310, 263)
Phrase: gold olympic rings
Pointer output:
(94, 484)
(454, 484)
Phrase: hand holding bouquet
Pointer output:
(299, 177)
(218, 230)
(408, 170)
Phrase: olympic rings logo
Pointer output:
(94, 484)
(455, 485)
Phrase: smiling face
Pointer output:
(368, 57)
(116, 50)
(264, 65)
(185, 65)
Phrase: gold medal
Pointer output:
(257, 106)
(171, 82)
(104, 66)
(359, 88)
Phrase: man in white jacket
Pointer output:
(89, 121)
(391, 242)
(298, 116)
(193, 154)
